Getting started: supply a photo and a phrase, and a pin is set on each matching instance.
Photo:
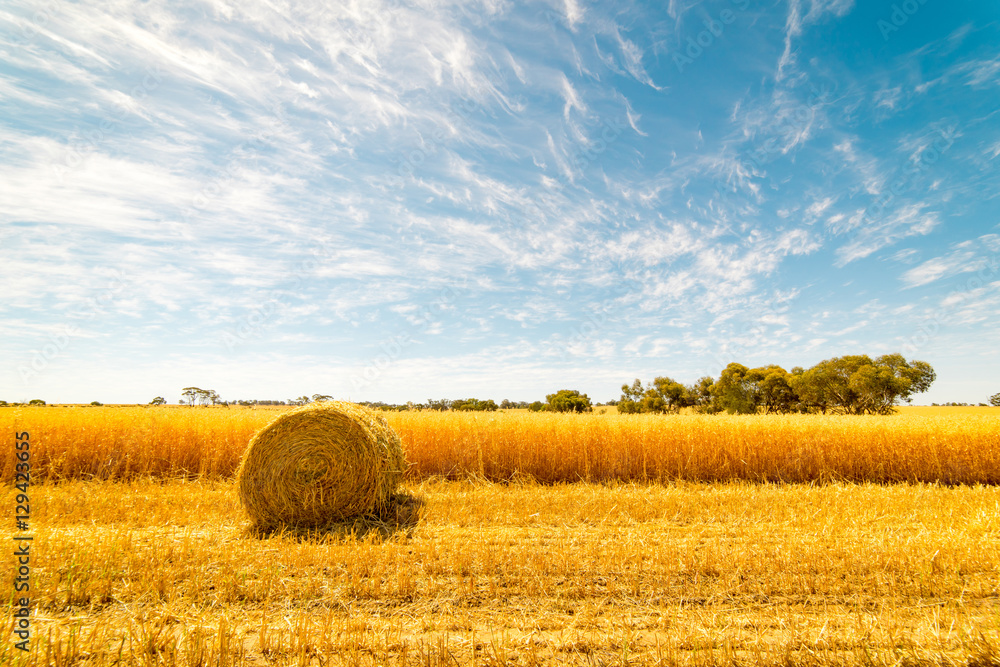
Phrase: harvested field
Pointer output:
(526, 540)
(166, 573)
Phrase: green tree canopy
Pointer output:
(852, 384)
(772, 389)
(474, 404)
(858, 385)
(735, 392)
(568, 400)
(662, 395)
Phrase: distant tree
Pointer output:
(3, 404)
(735, 392)
(811, 387)
(632, 396)
(537, 406)
(652, 400)
(995, 400)
(857, 384)
(666, 395)
(662, 395)
(159, 400)
(36, 401)
(772, 389)
(507, 404)
(889, 380)
(321, 397)
(96, 403)
(669, 394)
(474, 404)
(568, 400)
(195, 396)
(302, 400)
(439, 405)
(701, 397)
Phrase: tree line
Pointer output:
(851, 385)
(564, 400)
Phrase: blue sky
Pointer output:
(386, 201)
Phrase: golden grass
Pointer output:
(319, 464)
(960, 447)
(166, 573)
(795, 448)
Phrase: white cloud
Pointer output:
(906, 222)
(888, 97)
(344, 162)
(796, 22)
(966, 257)
(573, 13)
(819, 207)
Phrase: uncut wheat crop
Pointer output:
(207, 443)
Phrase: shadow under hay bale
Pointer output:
(398, 519)
(320, 465)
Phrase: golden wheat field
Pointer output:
(528, 539)
(951, 447)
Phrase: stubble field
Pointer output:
(529, 539)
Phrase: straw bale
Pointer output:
(318, 464)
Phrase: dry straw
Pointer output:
(319, 464)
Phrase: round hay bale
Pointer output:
(319, 464)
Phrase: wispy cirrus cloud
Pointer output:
(326, 169)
